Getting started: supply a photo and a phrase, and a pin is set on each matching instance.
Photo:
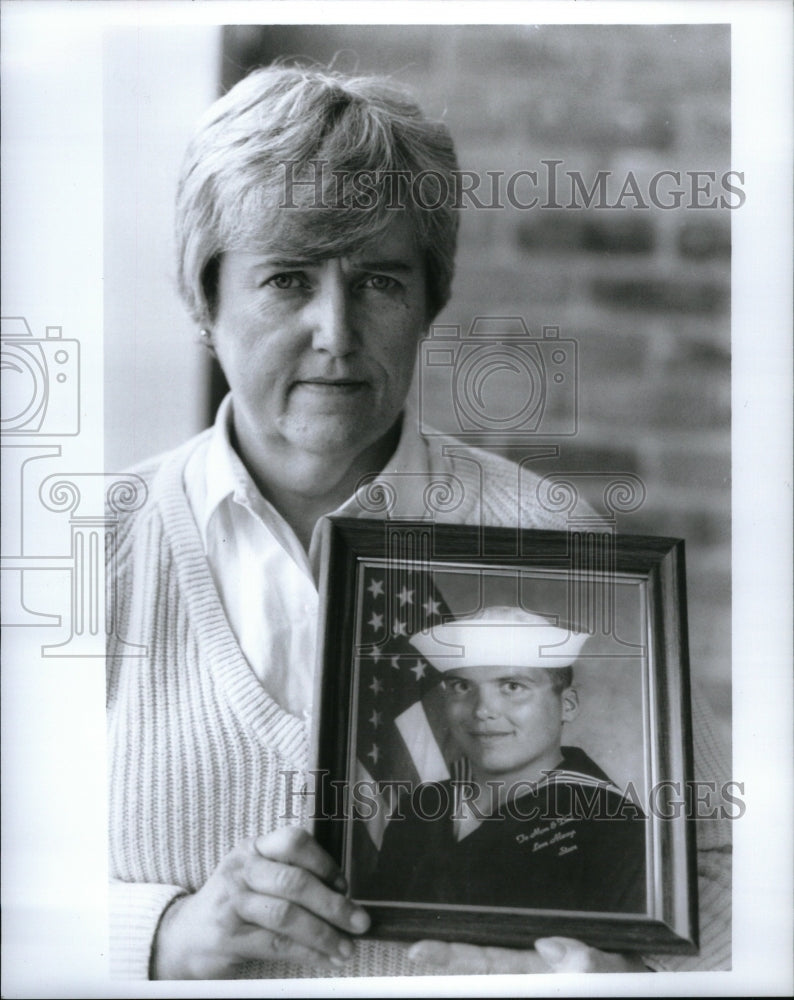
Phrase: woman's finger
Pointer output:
(292, 845)
(254, 943)
(289, 920)
(470, 959)
(290, 884)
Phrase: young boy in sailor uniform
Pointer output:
(526, 822)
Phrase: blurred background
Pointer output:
(643, 292)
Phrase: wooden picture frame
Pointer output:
(382, 732)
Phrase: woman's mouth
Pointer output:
(323, 385)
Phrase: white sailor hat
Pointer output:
(499, 636)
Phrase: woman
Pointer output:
(316, 235)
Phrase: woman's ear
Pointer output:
(206, 340)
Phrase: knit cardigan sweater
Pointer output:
(197, 749)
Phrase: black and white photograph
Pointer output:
(463, 788)
(396, 445)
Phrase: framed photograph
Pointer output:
(503, 741)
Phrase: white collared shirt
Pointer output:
(265, 578)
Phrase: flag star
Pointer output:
(374, 753)
(419, 670)
(406, 597)
(375, 653)
(395, 662)
(432, 607)
(375, 687)
(374, 719)
(376, 621)
(375, 587)
(399, 628)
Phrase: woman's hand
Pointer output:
(554, 954)
(269, 898)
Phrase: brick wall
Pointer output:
(643, 291)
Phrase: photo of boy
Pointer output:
(525, 821)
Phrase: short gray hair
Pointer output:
(250, 176)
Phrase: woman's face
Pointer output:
(319, 355)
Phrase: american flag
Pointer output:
(400, 728)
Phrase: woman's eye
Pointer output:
(380, 282)
(284, 281)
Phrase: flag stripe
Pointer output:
(401, 734)
(376, 824)
(421, 744)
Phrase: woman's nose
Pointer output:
(332, 330)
